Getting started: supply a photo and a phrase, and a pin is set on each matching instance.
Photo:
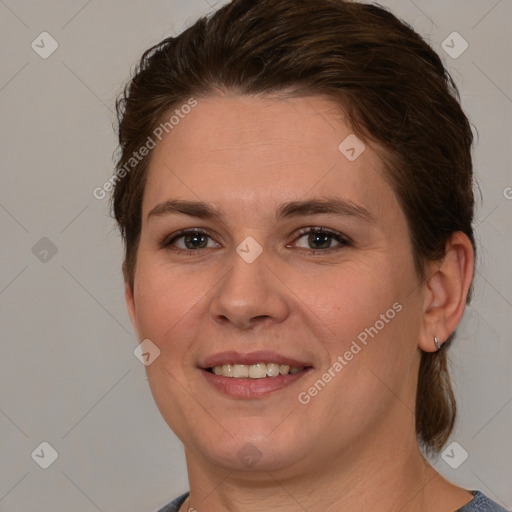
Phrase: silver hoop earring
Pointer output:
(436, 341)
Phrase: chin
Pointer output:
(251, 458)
(253, 448)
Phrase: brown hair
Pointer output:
(392, 87)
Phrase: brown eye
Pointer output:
(195, 241)
(318, 239)
(188, 241)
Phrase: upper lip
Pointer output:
(248, 358)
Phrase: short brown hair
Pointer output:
(389, 82)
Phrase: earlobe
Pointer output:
(446, 292)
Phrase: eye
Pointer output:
(317, 240)
(188, 240)
(320, 239)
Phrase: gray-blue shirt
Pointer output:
(479, 503)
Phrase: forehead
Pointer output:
(250, 153)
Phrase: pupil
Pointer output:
(313, 237)
(195, 238)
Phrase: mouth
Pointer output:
(253, 375)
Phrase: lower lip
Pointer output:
(251, 388)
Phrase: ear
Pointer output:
(446, 290)
(130, 303)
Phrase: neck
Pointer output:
(381, 477)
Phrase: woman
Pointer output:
(294, 190)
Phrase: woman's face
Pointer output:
(258, 285)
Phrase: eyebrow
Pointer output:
(201, 210)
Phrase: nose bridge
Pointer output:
(249, 290)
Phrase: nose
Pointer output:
(250, 294)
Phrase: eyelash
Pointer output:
(343, 240)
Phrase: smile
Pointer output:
(257, 374)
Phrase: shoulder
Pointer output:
(481, 503)
(176, 504)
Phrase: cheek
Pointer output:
(164, 298)
(352, 297)
(372, 321)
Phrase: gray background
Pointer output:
(67, 372)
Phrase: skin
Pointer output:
(353, 446)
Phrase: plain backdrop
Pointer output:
(68, 375)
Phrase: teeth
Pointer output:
(240, 371)
(255, 371)
(272, 369)
(227, 370)
(258, 371)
